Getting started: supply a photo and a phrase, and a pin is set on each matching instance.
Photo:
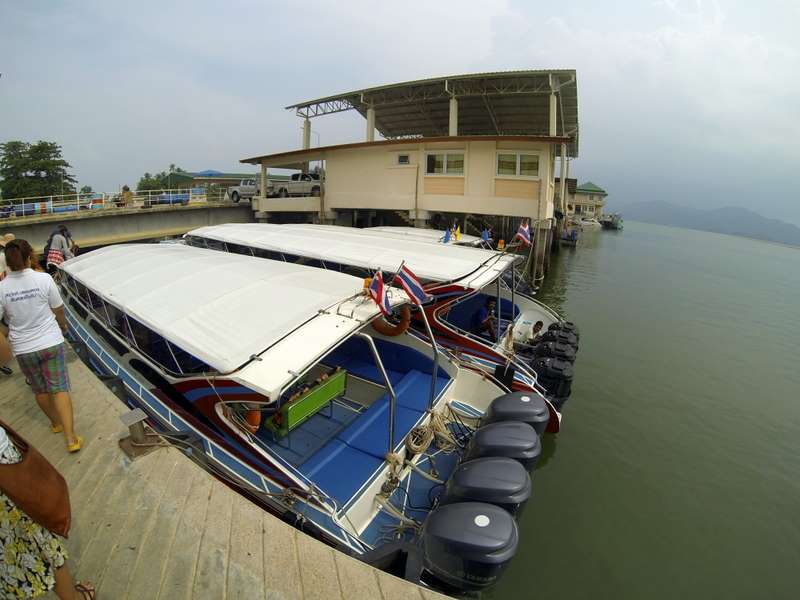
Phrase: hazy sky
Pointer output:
(693, 102)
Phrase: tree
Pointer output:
(34, 170)
(159, 181)
(87, 189)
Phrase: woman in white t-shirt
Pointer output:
(34, 312)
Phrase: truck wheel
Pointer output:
(235, 196)
(283, 193)
(315, 191)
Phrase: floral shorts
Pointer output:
(46, 370)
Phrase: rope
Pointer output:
(395, 512)
(419, 439)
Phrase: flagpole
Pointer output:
(435, 357)
(396, 272)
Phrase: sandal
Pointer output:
(56, 428)
(76, 446)
(86, 590)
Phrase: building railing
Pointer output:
(70, 203)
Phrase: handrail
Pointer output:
(27, 206)
(389, 388)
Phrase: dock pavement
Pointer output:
(160, 527)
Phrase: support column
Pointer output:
(262, 194)
(453, 127)
(306, 134)
(370, 124)
(553, 113)
(562, 189)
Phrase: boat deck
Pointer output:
(161, 527)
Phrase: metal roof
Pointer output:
(295, 159)
(470, 267)
(428, 235)
(591, 188)
(499, 103)
(225, 308)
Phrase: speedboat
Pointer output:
(612, 221)
(589, 223)
(460, 281)
(569, 237)
(276, 378)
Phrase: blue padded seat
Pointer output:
(340, 470)
(371, 434)
(413, 391)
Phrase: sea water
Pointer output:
(677, 471)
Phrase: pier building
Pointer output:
(587, 200)
(479, 148)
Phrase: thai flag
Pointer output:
(380, 293)
(524, 233)
(411, 285)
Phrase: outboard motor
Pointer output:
(566, 327)
(511, 439)
(527, 407)
(468, 545)
(555, 375)
(562, 337)
(554, 349)
(496, 480)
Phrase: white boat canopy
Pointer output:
(427, 235)
(227, 308)
(469, 267)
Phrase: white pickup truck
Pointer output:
(301, 184)
(248, 188)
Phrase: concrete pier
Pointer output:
(161, 527)
(99, 227)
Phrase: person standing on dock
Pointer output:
(59, 248)
(34, 311)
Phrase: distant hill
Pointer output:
(732, 220)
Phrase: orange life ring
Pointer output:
(384, 327)
(253, 419)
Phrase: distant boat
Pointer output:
(613, 221)
(569, 238)
(589, 223)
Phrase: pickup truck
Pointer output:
(301, 184)
(248, 188)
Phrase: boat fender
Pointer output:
(384, 327)
(253, 419)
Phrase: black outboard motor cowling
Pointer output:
(496, 480)
(527, 407)
(566, 327)
(554, 375)
(511, 439)
(562, 337)
(555, 349)
(469, 544)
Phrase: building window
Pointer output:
(506, 164)
(403, 159)
(447, 163)
(517, 164)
